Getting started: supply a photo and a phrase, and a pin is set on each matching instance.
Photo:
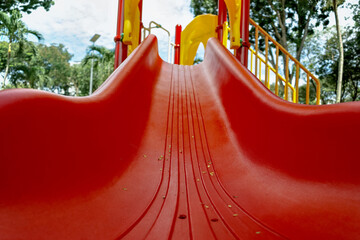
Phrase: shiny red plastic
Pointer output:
(164, 151)
(222, 17)
(177, 46)
(120, 48)
(117, 39)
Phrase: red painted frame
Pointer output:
(222, 17)
(242, 53)
(121, 49)
(117, 38)
(178, 30)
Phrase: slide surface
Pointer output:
(163, 151)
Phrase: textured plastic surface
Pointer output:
(164, 151)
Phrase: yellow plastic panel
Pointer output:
(234, 9)
(198, 31)
(135, 33)
(131, 23)
(225, 33)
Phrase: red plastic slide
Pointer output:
(163, 151)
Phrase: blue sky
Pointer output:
(74, 22)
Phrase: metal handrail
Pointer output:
(288, 57)
(156, 25)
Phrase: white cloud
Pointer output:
(73, 23)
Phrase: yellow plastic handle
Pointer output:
(234, 9)
(199, 30)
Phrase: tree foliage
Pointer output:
(293, 24)
(32, 65)
(55, 61)
(322, 57)
(199, 7)
(49, 68)
(289, 22)
(333, 5)
(15, 30)
(24, 5)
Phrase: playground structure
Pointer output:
(179, 151)
(206, 26)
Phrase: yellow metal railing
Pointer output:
(270, 68)
(287, 84)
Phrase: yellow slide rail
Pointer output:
(287, 85)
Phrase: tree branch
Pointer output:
(277, 34)
(306, 30)
(282, 26)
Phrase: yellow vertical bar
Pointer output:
(225, 33)
(256, 50)
(297, 82)
(307, 88)
(317, 93)
(286, 77)
(260, 70)
(267, 82)
(268, 68)
(277, 72)
(252, 59)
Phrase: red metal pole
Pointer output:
(141, 23)
(124, 47)
(123, 52)
(222, 17)
(120, 48)
(177, 44)
(117, 38)
(244, 29)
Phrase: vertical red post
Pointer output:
(178, 30)
(222, 17)
(120, 48)
(244, 30)
(117, 38)
(141, 23)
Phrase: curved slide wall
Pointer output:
(163, 151)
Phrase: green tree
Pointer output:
(56, 63)
(325, 62)
(26, 67)
(16, 32)
(199, 7)
(103, 65)
(3, 54)
(24, 5)
(316, 45)
(103, 59)
(289, 22)
(333, 5)
(79, 80)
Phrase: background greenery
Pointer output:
(26, 64)
(294, 24)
